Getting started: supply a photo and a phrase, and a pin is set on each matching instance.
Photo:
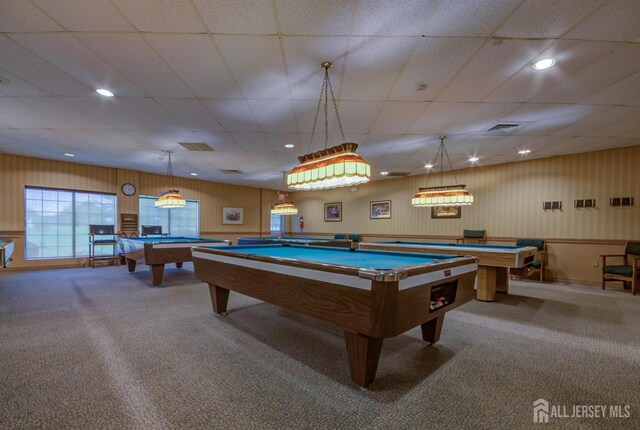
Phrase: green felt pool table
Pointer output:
(494, 261)
(158, 251)
(370, 295)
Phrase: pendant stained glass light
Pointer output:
(283, 207)
(334, 167)
(444, 195)
(171, 198)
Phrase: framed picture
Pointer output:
(333, 211)
(232, 215)
(380, 209)
(444, 212)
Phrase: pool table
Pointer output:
(370, 295)
(265, 240)
(158, 251)
(6, 250)
(494, 261)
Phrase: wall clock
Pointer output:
(128, 189)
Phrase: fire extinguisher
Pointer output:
(301, 223)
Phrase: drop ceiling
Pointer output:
(244, 77)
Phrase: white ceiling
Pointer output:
(244, 77)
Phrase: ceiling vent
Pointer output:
(196, 146)
(231, 171)
(504, 128)
(398, 174)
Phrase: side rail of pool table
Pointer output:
(366, 305)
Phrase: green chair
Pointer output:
(339, 236)
(538, 264)
(629, 271)
(473, 236)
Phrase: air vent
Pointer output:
(501, 128)
(231, 172)
(398, 174)
(196, 146)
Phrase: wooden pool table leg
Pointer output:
(219, 298)
(131, 264)
(157, 270)
(431, 329)
(364, 353)
(486, 283)
(179, 265)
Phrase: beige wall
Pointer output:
(17, 172)
(508, 204)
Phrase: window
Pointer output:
(277, 224)
(57, 221)
(177, 222)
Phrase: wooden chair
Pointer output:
(629, 271)
(473, 236)
(538, 264)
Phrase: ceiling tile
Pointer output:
(311, 17)
(234, 115)
(35, 71)
(626, 128)
(274, 115)
(14, 86)
(85, 15)
(373, 66)
(304, 56)
(478, 18)
(252, 141)
(618, 20)
(616, 66)
(438, 117)
(192, 113)
(246, 16)
(548, 19)
(481, 118)
(594, 124)
(151, 113)
(73, 58)
(132, 56)
(571, 57)
(196, 60)
(171, 16)
(243, 53)
(618, 93)
(385, 18)
(23, 16)
(492, 65)
(396, 117)
(434, 62)
(108, 110)
(67, 112)
(28, 112)
(357, 117)
(559, 118)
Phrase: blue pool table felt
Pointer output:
(361, 258)
(174, 239)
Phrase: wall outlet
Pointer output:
(595, 263)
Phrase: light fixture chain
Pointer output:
(335, 106)
(315, 119)
(170, 171)
(326, 108)
(455, 180)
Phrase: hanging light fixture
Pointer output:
(283, 207)
(337, 166)
(444, 195)
(171, 198)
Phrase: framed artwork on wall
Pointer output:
(380, 209)
(444, 212)
(333, 211)
(232, 215)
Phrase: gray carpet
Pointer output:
(101, 348)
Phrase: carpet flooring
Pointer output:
(102, 349)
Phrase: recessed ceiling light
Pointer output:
(289, 145)
(524, 151)
(69, 154)
(384, 173)
(474, 159)
(544, 64)
(104, 92)
(194, 174)
(428, 166)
